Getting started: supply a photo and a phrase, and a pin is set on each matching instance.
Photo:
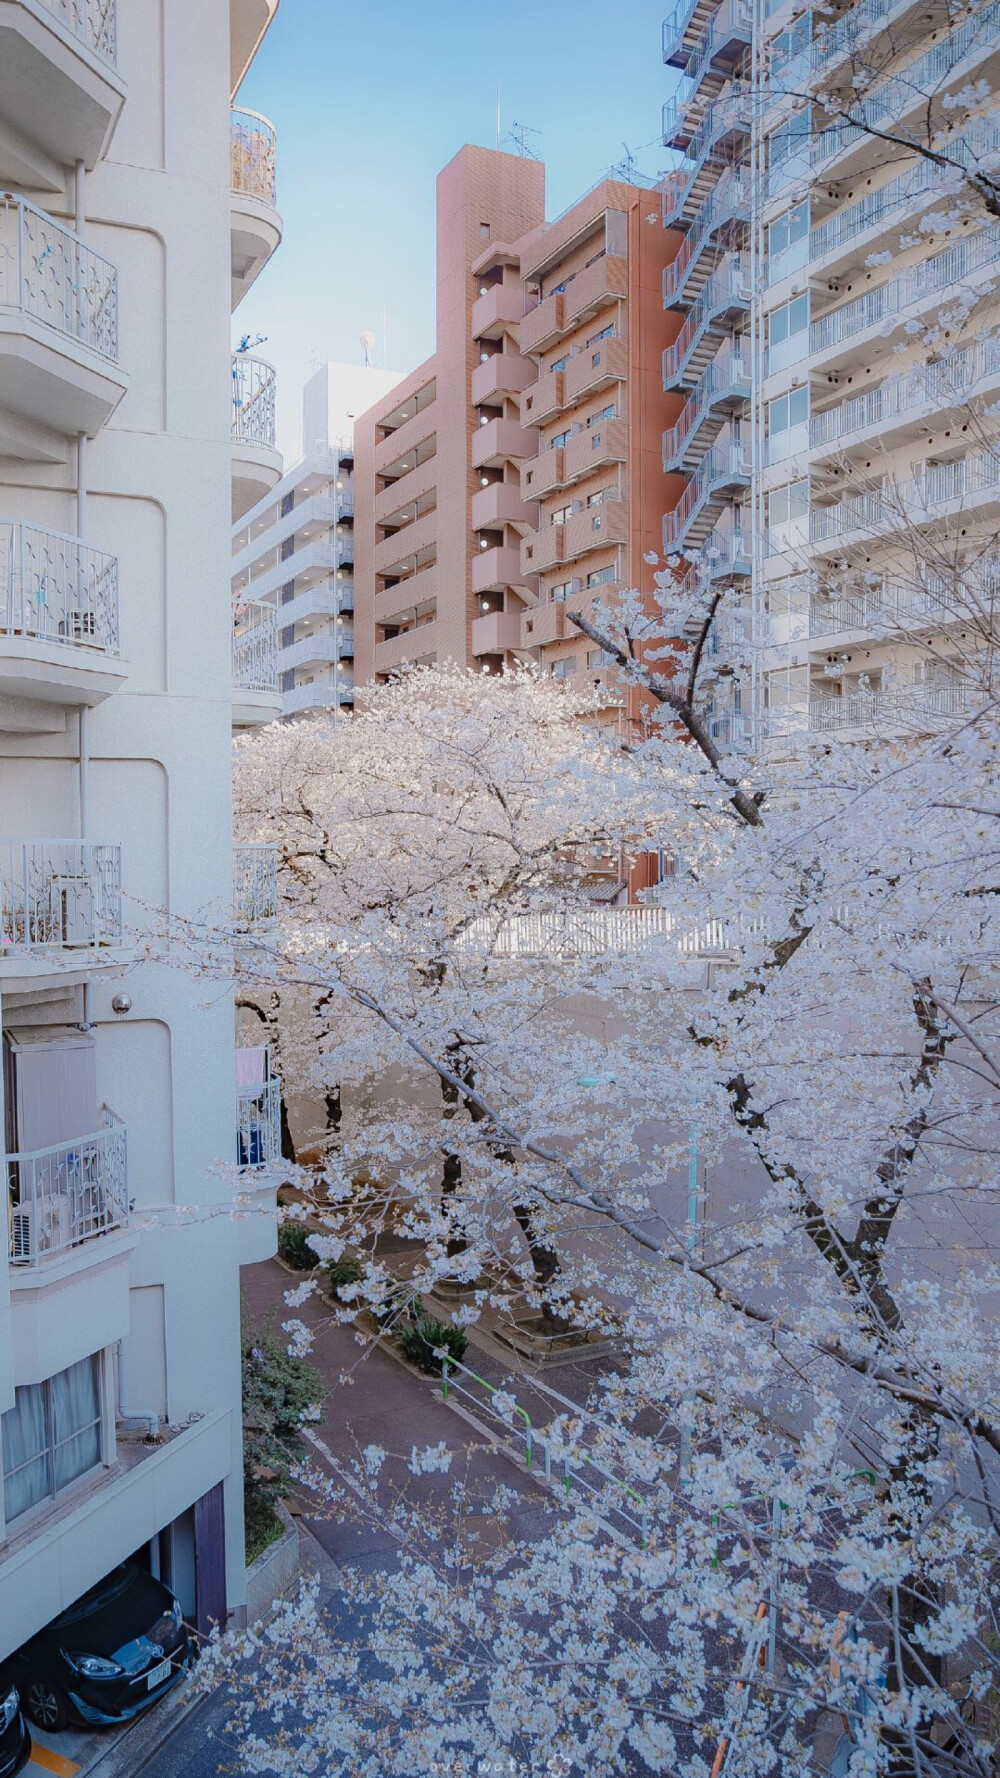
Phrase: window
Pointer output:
(787, 229)
(791, 43)
(787, 410)
(606, 333)
(595, 441)
(789, 141)
(562, 590)
(562, 669)
(791, 318)
(51, 1436)
(559, 364)
(599, 657)
(561, 514)
(559, 440)
(484, 231)
(601, 577)
(789, 502)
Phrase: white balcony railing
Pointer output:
(255, 886)
(940, 272)
(253, 144)
(95, 22)
(55, 588)
(876, 207)
(255, 648)
(254, 385)
(258, 1123)
(66, 1195)
(947, 380)
(319, 694)
(937, 484)
(59, 895)
(910, 704)
(48, 274)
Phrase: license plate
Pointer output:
(157, 1675)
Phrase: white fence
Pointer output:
(255, 886)
(95, 22)
(56, 588)
(254, 152)
(258, 1123)
(68, 1194)
(254, 384)
(255, 648)
(59, 895)
(48, 273)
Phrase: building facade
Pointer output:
(293, 558)
(837, 351)
(137, 205)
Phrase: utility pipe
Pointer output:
(145, 1415)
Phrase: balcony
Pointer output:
(496, 633)
(595, 368)
(906, 706)
(501, 441)
(58, 623)
(417, 592)
(593, 447)
(500, 309)
(839, 236)
(419, 644)
(258, 1110)
(543, 549)
(501, 504)
(68, 1195)
(60, 910)
(316, 559)
(545, 398)
(59, 370)
(941, 385)
(257, 462)
(255, 888)
(543, 325)
(60, 92)
(319, 694)
(494, 569)
(584, 294)
(543, 624)
(248, 21)
(543, 473)
(331, 643)
(254, 226)
(884, 307)
(407, 544)
(256, 698)
(595, 527)
(505, 373)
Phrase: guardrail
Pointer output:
(258, 1123)
(95, 22)
(255, 648)
(59, 895)
(68, 1194)
(56, 588)
(255, 886)
(254, 388)
(940, 272)
(253, 145)
(49, 274)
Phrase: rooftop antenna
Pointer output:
(519, 133)
(628, 165)
(367, 346)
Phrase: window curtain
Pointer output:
(25, 1452)
(76, 1421)
(51, 1436)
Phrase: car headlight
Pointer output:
(9, 1707)
(176, 1614)
(91, 1666)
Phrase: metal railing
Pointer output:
(48, 273)
(728, 202)
(728, 287)
(947, 379)
(731, 111)
(258, 1123)
(255, 648)
(937, 273)
(720, 467)
(253, 146)
(59, 895)
(904, 703)
(896, 194)
(255, 886)
(68, 1194)
(876, 608)
(727, 375)
(254, 385)
(95, 22)
(934, 485)
(56, 588)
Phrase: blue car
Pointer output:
(15, 1742)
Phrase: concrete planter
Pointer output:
(271, 1576)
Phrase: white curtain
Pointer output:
(25, 1454)
(51, 1435)
(76, 1421)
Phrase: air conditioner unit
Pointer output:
(71, 901)
(42, 1226)
(79, 626)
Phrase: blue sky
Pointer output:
(369, 102)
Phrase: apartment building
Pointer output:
(431, 455)
(293, 559)
(593, 331)
(843, 472)
(136, 207)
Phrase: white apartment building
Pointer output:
(842, 464)
(134, 208)
(293, 554)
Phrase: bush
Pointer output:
(422, 1336)
(343, 1271)
(278, 1392)
(293, 1246)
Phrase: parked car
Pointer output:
(109, 1656)
(15, 1742)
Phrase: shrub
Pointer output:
(293, 1246)
(424, 1335)
(278, 1391)
(343, 1271)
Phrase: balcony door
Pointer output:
(50, 1077)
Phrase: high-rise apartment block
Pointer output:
(136, 207)
(293, 559)
(837, 474)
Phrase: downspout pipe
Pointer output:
(143, 1416)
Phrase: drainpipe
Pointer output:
(81, 531)
(146, 1415)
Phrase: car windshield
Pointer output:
(109, 1589)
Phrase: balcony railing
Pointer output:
(939, 272)
(874, 209)
(254, 153)
(59, 895)
(64, 1196)
(50, 275)
(95, 22)
(258, 1123)
(255, 648)
(947, 380)
(936, 485)
(255, 886)
(904, 703)
(55, 588)
(254, 386)
(321, 694)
